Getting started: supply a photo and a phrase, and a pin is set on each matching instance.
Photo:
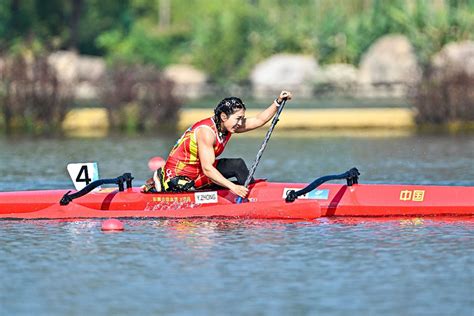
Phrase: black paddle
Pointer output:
(262, 148)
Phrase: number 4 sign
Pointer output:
(83, 173)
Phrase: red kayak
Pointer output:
(266, 200)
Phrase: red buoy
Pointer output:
(155, 163)
(112, 225)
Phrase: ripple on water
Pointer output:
(273, 267)
(331, 266)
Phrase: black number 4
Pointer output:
(85, 178)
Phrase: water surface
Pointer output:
(403, 266)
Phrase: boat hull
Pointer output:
(266, 201)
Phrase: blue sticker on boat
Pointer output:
(319, 194)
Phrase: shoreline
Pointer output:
(290, 119)
(94, 122)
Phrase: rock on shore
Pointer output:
(80, 71)
(391, 63)
(285, 71)
(389, 68)
(454, 59)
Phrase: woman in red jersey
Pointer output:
(192, 162)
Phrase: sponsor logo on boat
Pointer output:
(205, 197)
(181, 199)
(313, 195)
(412, 195)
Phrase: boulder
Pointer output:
(337, 78)
(89, 68)
(189, 82)
(65, 64)
(390, 60)
(296, 73)
(454, 59)
(446, 95)
(80, 71)
(86, 90)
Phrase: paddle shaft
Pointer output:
(262, 148)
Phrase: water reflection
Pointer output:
(329, 265)
(302, 265)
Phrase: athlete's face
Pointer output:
(234, 121)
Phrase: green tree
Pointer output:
(227, 38)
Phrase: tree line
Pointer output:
(228, 38)
(225, 39)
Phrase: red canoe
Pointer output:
(266, 201)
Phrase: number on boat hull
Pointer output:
(83, 173)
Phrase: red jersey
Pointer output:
(183, 159)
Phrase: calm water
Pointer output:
(328, 266)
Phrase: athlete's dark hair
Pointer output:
(228, 106)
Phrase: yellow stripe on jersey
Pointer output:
(193, 149)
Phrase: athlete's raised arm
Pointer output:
(263, 117)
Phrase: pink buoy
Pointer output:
(155, 163)
(112, 225)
